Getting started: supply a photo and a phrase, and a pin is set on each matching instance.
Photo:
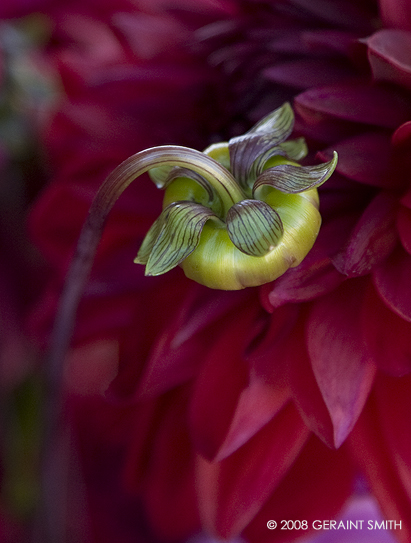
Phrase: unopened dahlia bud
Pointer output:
(240, 215)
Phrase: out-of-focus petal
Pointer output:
(396, 13)
(315, 487)
(392, 281)
(388, 52)
(338, 13)
(307, 73)
(371, 453)
(393, 398)
(387, 335)
(169, 487)
(353, 103)
(365, 158)
(404, 227)
(232, 491)
(173, 358)
(339, 357)
(373, 238)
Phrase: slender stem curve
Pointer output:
(53, 496)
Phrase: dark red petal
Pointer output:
(242, 401)
(365, 158)
(387, 335)
(232, 491)
(392, 281)
(305, 391)
(396, 13)
(169, 480)
(339, 357)
(316, 487)
(393, 399)
(373, 238)
(369, 448)
(389, 55)
(404, 227)
(363, 104)
(191, 323)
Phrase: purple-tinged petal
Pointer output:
(396, 13)
(373, 238)
(339, 357)
(365, 158)
(328, 42)
(387, 335)
(355, 103)
(339, 13)
(392, 281)
(404, 227)
(389, 56)
(307, 73)
(232, 491)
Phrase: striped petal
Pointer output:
(268, 133)
(254, 227)
(174, 235)
(293, 179)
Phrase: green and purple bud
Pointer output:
(241, 213)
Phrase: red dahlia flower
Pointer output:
(266, 403)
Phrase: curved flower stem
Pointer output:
(53, 501)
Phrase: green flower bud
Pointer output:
(244, 222)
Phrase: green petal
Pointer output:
(254, 227)
(268, 133)
(176, 234)
(293, 179)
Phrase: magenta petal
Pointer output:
(232, 491)
(373, 238)
(365, 158)
(396, 13)
(387, 336)
(357, 103)
(392, 281)
(340, 360)
(389, 55)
